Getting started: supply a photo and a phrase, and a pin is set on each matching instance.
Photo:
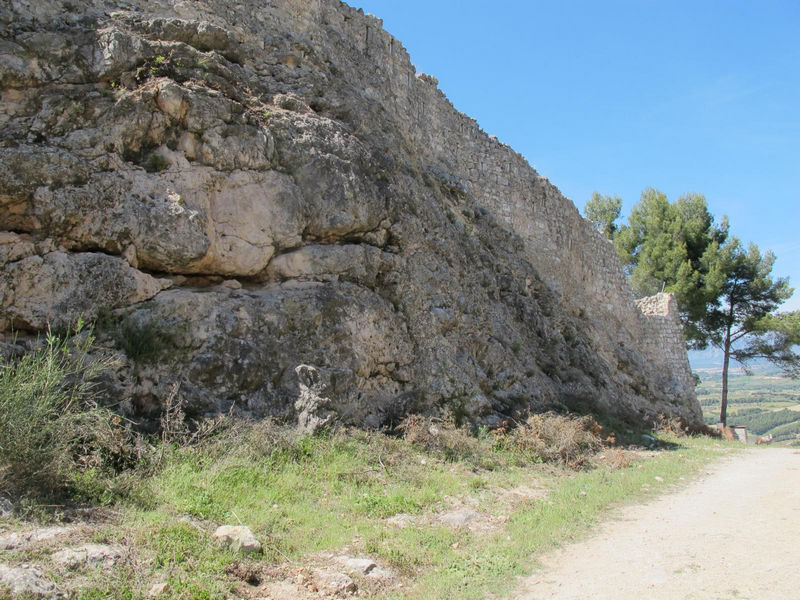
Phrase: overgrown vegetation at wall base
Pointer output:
(441, 511)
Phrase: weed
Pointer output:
(142, 340)
(106, 320)
(156, 163)
(615, 458)
(671, 425)
(441, 436)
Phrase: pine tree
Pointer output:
(662, 248)
(742, 321)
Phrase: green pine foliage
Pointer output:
(663, 248)
(603, 211)
(726, 293)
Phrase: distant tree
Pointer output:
(602, 211)
(662, 248)
(742, 321)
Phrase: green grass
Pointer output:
(302, 495)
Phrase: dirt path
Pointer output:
(733, 533)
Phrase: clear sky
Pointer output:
(618, 95)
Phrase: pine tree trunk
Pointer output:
(726, 359)
(723, 410)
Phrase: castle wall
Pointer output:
(573, 258)
(352, 81)
(570, 255)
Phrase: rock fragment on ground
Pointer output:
(402, 520)
(282, 590)
(88, 555)
(332, 583)
(21, 539)
(360, 566)
(26, 581)
(157, 589)
(459, 517)
(239, 538)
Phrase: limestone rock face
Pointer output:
(57, 288)
(240, 188)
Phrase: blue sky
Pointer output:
(619, 95)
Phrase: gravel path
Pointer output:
(732, 534)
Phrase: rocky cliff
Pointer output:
(232, 189)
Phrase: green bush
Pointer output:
(52, 433)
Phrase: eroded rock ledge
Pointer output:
(262, 185)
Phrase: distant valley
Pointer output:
(764, 402)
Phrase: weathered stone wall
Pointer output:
(570, 255)
(310, 199)
(663, 338)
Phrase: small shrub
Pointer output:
(155, 163)
(442, 436)
(177, 432)
(46, 412)
(107, 457)
(671, 425)
(556, 438)
(615, 458)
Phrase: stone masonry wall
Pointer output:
(663, 337)
(351, 73)
(573, 258)
(570, 255)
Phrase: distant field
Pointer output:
(763, 402)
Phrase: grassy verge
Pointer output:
(574, 503)
(311, 498)
(444, 512)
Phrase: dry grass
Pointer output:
(441, 436)
(550, 437)
(615, 458)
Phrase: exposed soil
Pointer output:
(733, 533)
